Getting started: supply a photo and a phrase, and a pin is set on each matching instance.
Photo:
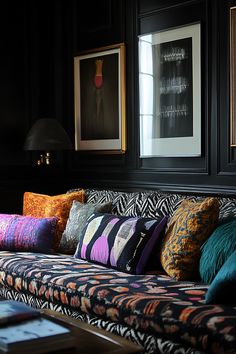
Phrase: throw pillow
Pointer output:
(222, 289)
(25, 233)
(216, 250)
(188, 228)
(119, 242)
(79, 213)
(41, 205)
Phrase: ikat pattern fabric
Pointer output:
(41, 205)
(78, 216)
(120, 242)
(150, 305)
(189, 227)
(150, 343)
(25, 233)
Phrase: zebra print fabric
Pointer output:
(123, 203)
(153, 203)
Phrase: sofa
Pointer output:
(153, 305)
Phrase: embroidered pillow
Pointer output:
(121, 242)
(41, 205)
(79, 214)
(187, 230)
(26, 233)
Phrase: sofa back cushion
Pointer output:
(122, 203)
(41, 205)
(153, 204)
(25, 233)
(188, 228)
(121, 242)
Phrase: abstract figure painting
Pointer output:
(99, 78)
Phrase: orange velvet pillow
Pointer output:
(41, 206)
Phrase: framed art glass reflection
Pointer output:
(99, 83)
(170, 92)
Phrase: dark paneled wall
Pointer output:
(214, 170)
(32, 67)
(39, 40)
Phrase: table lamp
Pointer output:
(47, 135)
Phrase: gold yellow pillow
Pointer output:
(188, 228)
(41, 205)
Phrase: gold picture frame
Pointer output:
(100, 100)
(233, 76)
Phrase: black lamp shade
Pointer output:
(47, 135)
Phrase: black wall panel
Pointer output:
(13, 82)
(153, 5)
(98, 23)
(226, 154)
(168, 17)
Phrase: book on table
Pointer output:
(34, 335)
(14, 311)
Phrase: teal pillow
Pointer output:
(223, 288)
(216, 250)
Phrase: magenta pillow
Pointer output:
(26, 233)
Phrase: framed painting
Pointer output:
(170, 92)
(233, 75)
(99, 84)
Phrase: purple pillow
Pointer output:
(121, 242)
(26, 233)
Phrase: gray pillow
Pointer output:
(79, 213)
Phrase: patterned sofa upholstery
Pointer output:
(161, 314)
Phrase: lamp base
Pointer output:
(45, 159)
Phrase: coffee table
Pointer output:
(90, 339)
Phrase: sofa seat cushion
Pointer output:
(148, 303)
